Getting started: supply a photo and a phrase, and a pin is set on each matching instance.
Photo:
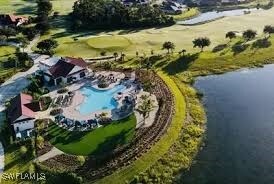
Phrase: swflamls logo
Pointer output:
(23, 176)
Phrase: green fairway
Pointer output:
(98, 141)
(86, 44)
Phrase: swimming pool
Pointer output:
(96, 100)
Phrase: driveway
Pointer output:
(18, 82)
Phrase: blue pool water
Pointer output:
(96, 100)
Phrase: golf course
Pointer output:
(143, 49)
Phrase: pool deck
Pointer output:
(73, 113)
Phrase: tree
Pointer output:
(115, 54)
(22, 57)
(40, 142)
(30, 32)
(44, 7)
(103, 53)
(183, 51)
(8, 31)
(268, 30)
(201, 43)
(249, 34)
(114, 14)
(43, 26)
(137, 54)
(168, 46)
(23, 150)
(3, 39)
(81, 160)
(123, 57)
(230, 35)
(23, 43)
(145, 107)
(46, 46)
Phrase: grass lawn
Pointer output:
(28, 7)
(5, 52)
(187, 14)
(94, 142)
(14, 163)
(161, 147)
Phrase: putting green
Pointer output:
(109, 43)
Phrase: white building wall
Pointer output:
(24, 125)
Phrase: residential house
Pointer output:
(172, 7)
(65, 70)
(135, 2)
(21, 114)
(15, 20)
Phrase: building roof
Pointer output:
(17, 19)
(20, 106)
(67, 66)
(76, 61)
(50, 61)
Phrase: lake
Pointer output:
(212, 15)
(239, 147)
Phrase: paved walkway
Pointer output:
(52, 153)
(152, 115)
(1, 159)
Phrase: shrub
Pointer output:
(104, 120)
(45, 102)
(81, 160)
(261, 43)
(40, 142)
(23, 150)
(55, 112)
(238, 48)
(103, 84)
(62, 90)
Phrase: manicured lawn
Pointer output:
(5, 52)
(28, 7)
(94, 142)
(161, 147)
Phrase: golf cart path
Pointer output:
(52, 153)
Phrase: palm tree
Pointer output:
(123, 57)
(268, 30)
(201, 43)
(183, 51)
(168, 46)
(115, 54)
(249, 34)
(230, 35)
(145, 107)
(137, 53)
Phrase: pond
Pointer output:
(239, 145)
(212, 15)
